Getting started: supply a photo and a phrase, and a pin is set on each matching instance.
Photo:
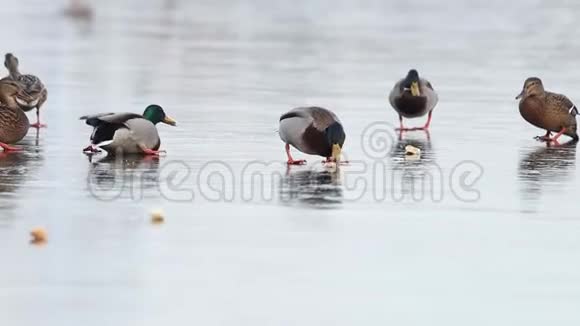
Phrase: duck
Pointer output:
(33, 87)
(312, 130)
(546, 110)
(413, 97)
(128, 133)
(14, 123)
(78, 9)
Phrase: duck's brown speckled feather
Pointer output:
(32, 85)
(550, 111)
(13, 124)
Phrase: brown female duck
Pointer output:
(413, 97)
(13, 122)
(550, 111)
(33, 88)
(312, 130)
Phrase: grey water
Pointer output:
(481, 229)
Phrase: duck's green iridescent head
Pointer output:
(335, 137)
(411, 83)
(155, 114)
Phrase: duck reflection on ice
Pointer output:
(416, 175)
(546, 168)
(15, 169)
(314, 188)
(400, 160)
(126, 176)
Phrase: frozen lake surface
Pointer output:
(482, 230)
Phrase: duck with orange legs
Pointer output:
(413, 97)
(549, 111)
(14, 124)
(312, 130)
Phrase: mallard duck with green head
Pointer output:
(128, 133)
(550, 111)
(413, 97)
(32, 86)
(14, 124)
(312, 130)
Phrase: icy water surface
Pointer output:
(481, 230)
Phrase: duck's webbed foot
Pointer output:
(153, 152)
(8, 148)
(149, 151)
(553, 143)
(545, 138)
(292, 161)
(91, 149)
(415, 129)
(37, 125)
(296, 162)
(557, 136)
(330, 160)
(408, 129)
(424, 128)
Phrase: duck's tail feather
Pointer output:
(95, 119)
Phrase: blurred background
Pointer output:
(318, 252)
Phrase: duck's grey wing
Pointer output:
(297, 112)
(395, 93)
(429, 92)
(292, 126)
(106, 125)
(561, 103)
(321, 117)
(32, 83)
(114, 118)
(94, 119)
